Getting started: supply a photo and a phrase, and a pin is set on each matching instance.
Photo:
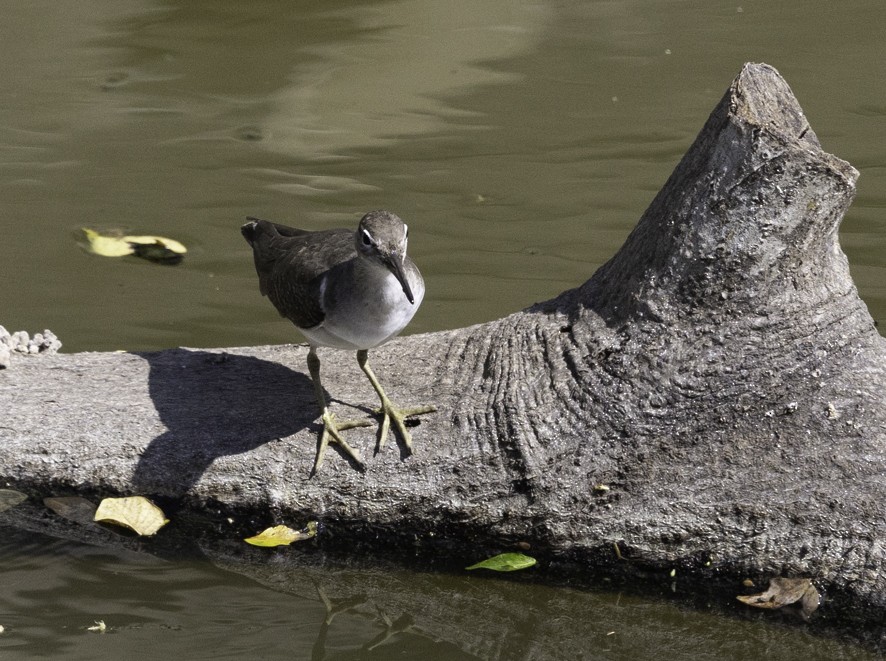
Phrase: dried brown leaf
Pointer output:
(783, 592)
(74, 508)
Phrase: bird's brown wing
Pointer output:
(291, 264)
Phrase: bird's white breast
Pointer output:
(366, 315)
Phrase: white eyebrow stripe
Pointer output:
(368, 235)
(405, 231)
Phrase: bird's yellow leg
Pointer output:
(388, 410)
(331, 428)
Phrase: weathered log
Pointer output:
(711, 399)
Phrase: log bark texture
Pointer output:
(711, 399)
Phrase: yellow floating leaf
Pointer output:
(10, 498)
(157, 249)
(107, 246)
(98, 627)
(282, 535)
(154, 248)
(169, 244)
(136, 513)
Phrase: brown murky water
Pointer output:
(520, 141)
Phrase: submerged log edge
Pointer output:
(711, 401)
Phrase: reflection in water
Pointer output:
(288, 604)
(388, 78)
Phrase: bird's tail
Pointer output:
(252, 229)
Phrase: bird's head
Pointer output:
(382, 236)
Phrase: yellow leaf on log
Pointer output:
(282, 535)
(136, 513)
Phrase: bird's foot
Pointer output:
(391, 413)
(330, 434)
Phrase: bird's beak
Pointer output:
(395, 263)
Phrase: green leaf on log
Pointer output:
(505, 562)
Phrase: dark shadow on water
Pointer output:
(215, 405)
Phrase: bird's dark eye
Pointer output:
(367, 239)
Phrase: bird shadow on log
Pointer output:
(213, 405)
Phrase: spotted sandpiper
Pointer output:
(342, 289)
